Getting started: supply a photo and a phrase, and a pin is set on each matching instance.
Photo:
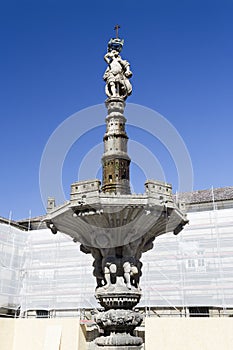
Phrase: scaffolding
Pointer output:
(45, 272)
(194, 268)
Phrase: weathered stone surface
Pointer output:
(105, 220)
(115, 160)
(119, 339)
(118, 326)
(119, 320)
(118, 295)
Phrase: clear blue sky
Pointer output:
(51, 66)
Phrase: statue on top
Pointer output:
(118, 71)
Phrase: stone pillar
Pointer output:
(119, 320)
(115, 160)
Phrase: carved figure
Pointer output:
(135, 274)
(110, 270)
(117, 75)
(110, 263)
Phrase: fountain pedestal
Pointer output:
(118, 321)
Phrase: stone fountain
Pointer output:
(113, 225)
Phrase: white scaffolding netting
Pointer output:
(39, 270)
(194, 268)
(12, 243)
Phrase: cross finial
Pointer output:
(116, 28)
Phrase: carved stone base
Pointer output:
(118, 326)
(94, 346)
(118, 296)
(126, 301)
(140, 347)
(119, 320)
(119, 339)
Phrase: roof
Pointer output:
(205, 196)
(33, 219)
(11, 222)
(25, 224)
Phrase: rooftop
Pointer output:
(205, 196)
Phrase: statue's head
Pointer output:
(115, 44)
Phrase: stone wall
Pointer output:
(188, 333)
(41, 334)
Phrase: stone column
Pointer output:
(115, 160)
(119, 297)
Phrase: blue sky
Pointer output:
(51, 66)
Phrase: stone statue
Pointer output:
(111, 263)
(125, 267)
(110, 269)
(118, 71)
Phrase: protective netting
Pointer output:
(39, 270)
(12, 243)
(194, 268)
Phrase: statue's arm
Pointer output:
(128, 72)
(108, 58)
(126, 67)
